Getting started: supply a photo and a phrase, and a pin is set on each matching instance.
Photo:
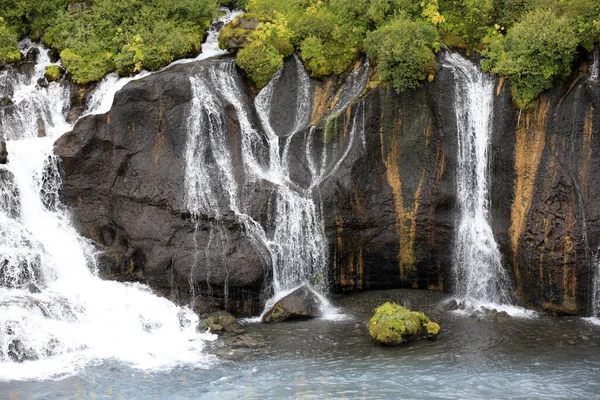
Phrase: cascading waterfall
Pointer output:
(56, 315)
(478, 270)
(595, 300)
(595, 68)
(294, 235)
(296, 245)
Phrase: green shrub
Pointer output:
(538, 49)
(403, 52)
(260, 62)
(8, 45)
(53, 73)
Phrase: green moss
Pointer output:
(53, 73)
(393, 324)
(260, 62)
(432, 328)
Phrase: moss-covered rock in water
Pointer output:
(393, 324)
(53, 73)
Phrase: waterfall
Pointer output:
(478, 271)
(294, 237)
(294, 233)
(595, 68)
(56, 315)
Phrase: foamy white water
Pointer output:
(595, 68)
(479, 276)
(56, 315)
(294, 236)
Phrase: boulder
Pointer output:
(220, 321)
(42, 82)
(3, 152)
(5, 101)
(32, 54)
(393, 324)
(302, 303)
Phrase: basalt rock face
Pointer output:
(555, 216)
(123, 175)
(382, 169)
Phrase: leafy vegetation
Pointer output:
(530, 42)
(404, 51)
(53, 73)
(8, 44)
(538, 49)
(100, 36)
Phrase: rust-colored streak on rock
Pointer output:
(320, 100)
(529, 146)
(160, 135)
(584, 173)
(499, 87)
(405, 218)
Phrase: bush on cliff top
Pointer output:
(538, 49)
(8, 45)
(401, 37)
(100, 36)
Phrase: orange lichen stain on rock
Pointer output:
(499, 87)
(405, 218)
(427, 133)
(160, 135)
(320, 100)
(530, 142)
(584, 173)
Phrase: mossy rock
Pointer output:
(235, 35)
(53, 73)
(220, 321)
(393, 324)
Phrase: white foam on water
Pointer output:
(56, 315)
(478, 271)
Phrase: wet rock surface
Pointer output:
(388, 192)
(302, 303)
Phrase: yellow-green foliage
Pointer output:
(403, 51)
(8, 45)
(393, 324)
(535, 51)
(260, 62)
(53, 73)
(264, 41)
(432, 328)
(100, 36)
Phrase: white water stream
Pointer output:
(294, 236)
(56, 315)
(480, 279)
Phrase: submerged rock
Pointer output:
(499, 316)
(393, 324)
(220, 321)
(301, 303)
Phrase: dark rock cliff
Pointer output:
(387, 191)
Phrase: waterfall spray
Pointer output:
(478, 271)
